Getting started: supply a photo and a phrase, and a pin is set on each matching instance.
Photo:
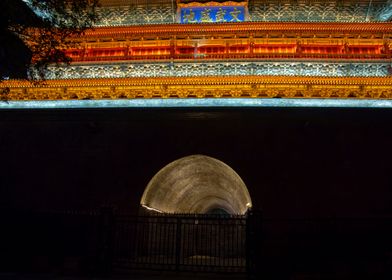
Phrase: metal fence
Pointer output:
(181, 242)
(108, 242)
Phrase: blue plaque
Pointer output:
(212, 14)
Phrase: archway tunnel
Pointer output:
(197, 184)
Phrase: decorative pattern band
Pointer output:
(266, 68)
(259, 10)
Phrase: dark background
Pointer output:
(296, 162)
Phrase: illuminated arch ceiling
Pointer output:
(196, 184)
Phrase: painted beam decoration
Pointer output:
(386, 13)
(212, 12)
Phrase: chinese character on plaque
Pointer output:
(195, 12)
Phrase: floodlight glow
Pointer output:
(151, 208)
(197, 103)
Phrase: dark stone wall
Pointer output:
(321, 177)
(296, 162)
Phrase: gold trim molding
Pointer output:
(201, 87)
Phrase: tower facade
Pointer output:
(226, 50)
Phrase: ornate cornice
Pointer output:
(201, 87)
(243, 27)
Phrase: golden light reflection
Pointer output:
(196, 184)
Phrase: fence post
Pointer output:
(254, 244)
(178, 243)
(107, 224)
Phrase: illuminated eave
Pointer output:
(201, 81)
(202, 87)
(243, 27)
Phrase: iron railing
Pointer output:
(181, 242)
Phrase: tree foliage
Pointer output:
(33, 33)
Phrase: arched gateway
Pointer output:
(197, 184)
